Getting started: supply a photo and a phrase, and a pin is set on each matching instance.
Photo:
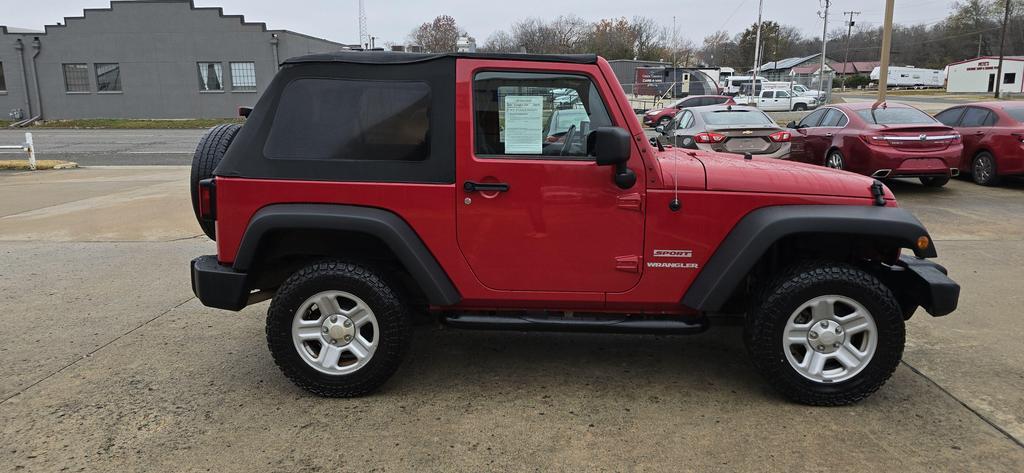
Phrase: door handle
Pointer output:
(979, 133)
(828, 134)
(470, 186)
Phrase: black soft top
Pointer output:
(389, 57)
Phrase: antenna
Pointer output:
(364, 38)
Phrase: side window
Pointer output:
(535, 114)
(766, 94)
(3, 84)
(832, 118)
(991, 119)
(974, 116)
(686, 121)
(782, 94)
(814, 118)
(950, 117)
(1010, 78)
(358, 120)
(843, 121)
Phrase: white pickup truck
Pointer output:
(779, 101)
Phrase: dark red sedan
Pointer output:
(891, 141)
(662, 116)
(993, 134)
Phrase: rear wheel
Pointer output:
(935, 181)
(799, 107)
(337, 329)
(835, 160)
(983, 169)
(826, 334)
(209, 152)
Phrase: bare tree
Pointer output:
(500, 42)
(437, 36)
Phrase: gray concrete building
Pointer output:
(143, 59)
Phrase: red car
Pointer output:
(370, 190)
(891, 141)
(662, 116)
(993, 135)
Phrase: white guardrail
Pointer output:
(28, 147)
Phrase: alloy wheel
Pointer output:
(830, 339)
(335, 332)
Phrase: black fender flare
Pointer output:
(391, 229)
(760, 229)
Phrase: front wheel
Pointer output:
(799, 107)
(935, 181)
(835, 160)
(826, 334)
(337, 329)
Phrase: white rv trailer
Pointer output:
(910, 76)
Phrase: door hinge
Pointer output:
(633, 201)
(629, 263)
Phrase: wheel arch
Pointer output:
(834, 228)
(321, 228)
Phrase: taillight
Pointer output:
(780, 136)
(877, 140)
(207, 194)
(708, 137)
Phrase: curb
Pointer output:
(43, 164)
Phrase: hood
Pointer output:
(731, 172)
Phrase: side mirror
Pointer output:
(791, 124)
(610, 146)
(659, 129)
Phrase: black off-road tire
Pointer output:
(209, 152)
(936, 181)
(385, 300)
(989, 178)
(766, 322)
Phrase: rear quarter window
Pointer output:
(361, 120)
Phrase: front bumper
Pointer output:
(219, 286)
(927, 283)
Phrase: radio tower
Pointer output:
(364, 38)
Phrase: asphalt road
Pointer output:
(107, 147)
(109, 364)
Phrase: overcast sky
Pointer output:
(392, 20)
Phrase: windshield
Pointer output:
(1016, 112)
(736, 117)
(896, 116)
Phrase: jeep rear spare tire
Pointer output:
(209, 152)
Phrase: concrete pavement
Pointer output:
(107, 147)
(110, 364)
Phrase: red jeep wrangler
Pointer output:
(367, 188)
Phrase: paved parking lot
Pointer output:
(109, 363)
(107, 147)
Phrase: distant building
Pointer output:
(144, 59)
(785, 69)
(979, 75)
(465, 44)
(658, 78)
(855, 68)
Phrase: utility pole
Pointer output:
(824, 42)
(846, 59)
(754, 93)
(1002, 43)
(883, 69)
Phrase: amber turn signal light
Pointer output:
(923, 242)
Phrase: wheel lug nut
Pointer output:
(348, 338)
(838, 330)
(334, 318)
(324, 330)
(821, 347)
(813, 335)
(348, 323)
(835, 345)
(824, 324)
(333, 341)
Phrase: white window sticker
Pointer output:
(523, 128)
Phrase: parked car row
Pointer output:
(985, 140)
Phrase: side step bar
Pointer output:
(666, 326)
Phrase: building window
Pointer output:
(1010, 78)
(243, 76)
(108, 77)
(211, 76)
(3, 83)
(76, 77)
